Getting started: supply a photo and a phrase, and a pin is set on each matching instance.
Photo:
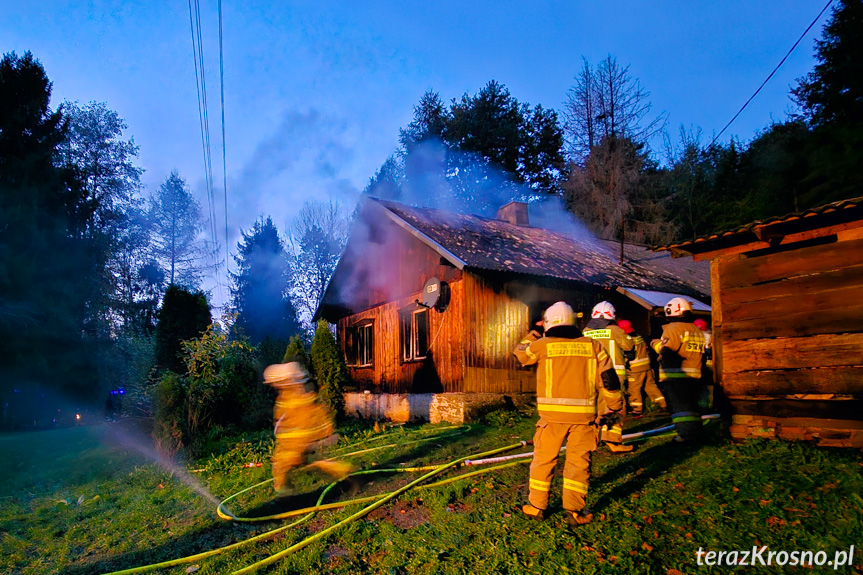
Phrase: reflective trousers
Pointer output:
(640, 383)
(580, 441)
(683, 395)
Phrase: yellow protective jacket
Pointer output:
(641, 363)
(680, 351)
(615, 341)
(570, 377)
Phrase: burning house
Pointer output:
(430, 304)
(788, 323)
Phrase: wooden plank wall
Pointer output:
(495, 323)
(789, 331)
(389, 374)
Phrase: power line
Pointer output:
(752, 97)
(224, 162)
(201, 85)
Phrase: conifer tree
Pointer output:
(329, 368)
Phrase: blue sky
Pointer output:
(315, 92)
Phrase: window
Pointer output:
(414, 333)
(360, 345)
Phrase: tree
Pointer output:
(176, 223)
(329, 369)
(102, 162)
(484, 151)
(607, 101)
(831, 100)
(260, 285)
(42, 262)
(318, 235)
(184, 315)
(832, 93)
(600, 192)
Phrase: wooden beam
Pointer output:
(819, 282)
(850, 412)
(826, 350)
(833, 302)
(837, 380)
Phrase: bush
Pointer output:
(296, 349)
(170, 413)
(184, 315)
(221, 389)
(329, 369)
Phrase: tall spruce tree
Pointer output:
(260, 285)
(184, 315)
(43, 299)
(329, 369)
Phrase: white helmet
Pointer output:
(603, 310)
(281, 374)
(558, 314)
(676, 307)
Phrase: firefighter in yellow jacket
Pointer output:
(300, 423)
(681, 350)
(603, 328)
(574, 374)
(640, 379)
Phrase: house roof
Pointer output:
(772, 229)
(469, 241)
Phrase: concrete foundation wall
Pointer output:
(431, 407)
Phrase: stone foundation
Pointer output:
(431, 407)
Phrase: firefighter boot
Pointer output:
(619, 447)
(335, 469)
(576, 518)
(532, 512)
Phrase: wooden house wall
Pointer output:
(788, 327)
(442, 371)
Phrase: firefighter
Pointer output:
(574, 376)
(603, 328)
(707, 366)
(301, 424)
(681, 351)
(640, 372)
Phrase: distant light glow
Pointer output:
(78, 416)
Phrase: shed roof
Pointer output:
(493, 245)
(651, 299)
(770, 231)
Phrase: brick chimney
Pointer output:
(514, 213)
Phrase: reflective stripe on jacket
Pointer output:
(569, 377)
(680, 351)
(615, 341)
(641, 363)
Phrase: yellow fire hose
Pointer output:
(374, 500)
(310, 511)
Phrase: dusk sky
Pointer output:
(315, 92)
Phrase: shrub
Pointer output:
(295, 349)
(170, 413)
(184, 315)
(329, 368)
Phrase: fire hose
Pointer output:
(373, 501)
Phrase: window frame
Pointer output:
(410, 336)
(360, 344)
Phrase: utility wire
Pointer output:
(200, 84)
(752, 97)
(224, 162)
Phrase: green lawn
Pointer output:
(92, 500)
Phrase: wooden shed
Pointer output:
(408, 361)
(788, 323)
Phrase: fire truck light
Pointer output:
(78, 416)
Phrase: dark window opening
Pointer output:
(414, 333)
(360, 345)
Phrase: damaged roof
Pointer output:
(493, 245)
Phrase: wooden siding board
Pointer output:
(825, 350)
(821, 282)
(808, 260)
(838, 380)
(775, 310)
(803, 323)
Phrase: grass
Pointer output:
(91, 500)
